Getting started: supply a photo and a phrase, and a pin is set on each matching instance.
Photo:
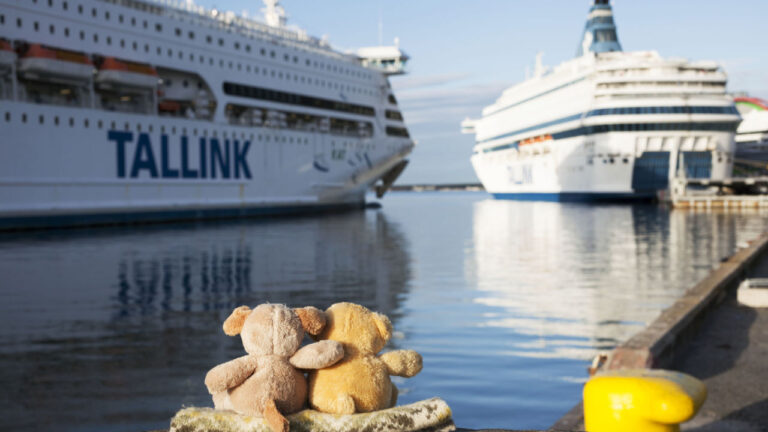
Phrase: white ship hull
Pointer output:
(69, 173)
(599, 167)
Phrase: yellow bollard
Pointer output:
(641, 400)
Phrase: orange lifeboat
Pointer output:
(7, 56)
(128, 74)
(37, 59)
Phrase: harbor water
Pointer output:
(113, 329)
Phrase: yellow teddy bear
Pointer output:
(360, 381)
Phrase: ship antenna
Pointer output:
(274, 14)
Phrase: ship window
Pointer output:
(221, 42)
(133, 21)
(7, 116)
(2, 19)
(112, 125)
(80, 9)
(263, 51)
(208, 39)
(309, 63)
(247, 48)
(191, 35)
(181, 55)
(109, 40)
(93, 12)
(36, 26)
(135, 45)
(237, 45)
(24, 118)
(56, 120)
(50, 3)
(145, 24)
(82, 35)
(158, 27)
(120, 18)
(71, 122)
(286, 57)
(230, 65)
(66, 31)
(239, 66)
(41, 119)
(86, 123)
(100, 124)
(159, 51)
(95, 38)
(106, 15)
(64, 6)
(272, 54)
(146, 48)
(178, 31)
(170, 52)
(51, 29)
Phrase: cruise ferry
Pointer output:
(126, 110)
(752, 135)
(607, 124)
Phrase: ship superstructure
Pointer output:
(607, 124)
(116, 110)
(752, 135)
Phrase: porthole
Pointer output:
(122, 43)
(56, 120)
(24, 118)
(51, 29)
(36, 26)
(106, 15)
(7, 116)
(86, 123)
(93, 12)
(112, 125)
(41, 119)
(80, 9)
(65, 6)
(135, 46)
(66, 32)
(133, 21)
(127, 127)
(120, 18)
(71, 122)
(109, 40)
(100, 124)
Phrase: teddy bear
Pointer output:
(360, 381)
(269, 381)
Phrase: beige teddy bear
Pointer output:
(360, 381)
(267, 382)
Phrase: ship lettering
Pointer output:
(222, 159)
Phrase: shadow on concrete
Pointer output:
(748, 419)
(719, 342)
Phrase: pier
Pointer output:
(707, 334)
(730, 194)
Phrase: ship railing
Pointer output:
(199, 16)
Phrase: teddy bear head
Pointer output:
(273, 329)
(358, 329)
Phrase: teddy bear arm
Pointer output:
(318, 355)
(404, 363)
(230, 374)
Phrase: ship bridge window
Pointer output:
(398, 132)
(605, 35)
(394, 115)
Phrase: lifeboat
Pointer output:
(7, 56)
(41, 60)
(124, 73)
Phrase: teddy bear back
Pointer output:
(359, 330)
(269, 329)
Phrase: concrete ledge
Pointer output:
(657, 345)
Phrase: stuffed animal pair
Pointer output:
(345, 375)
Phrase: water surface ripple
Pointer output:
(114, 329)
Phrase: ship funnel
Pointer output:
(600, 32)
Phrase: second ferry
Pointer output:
(607, 124)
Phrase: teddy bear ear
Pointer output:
(234, 324)
(312, 319)
(383, 324)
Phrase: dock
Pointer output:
(707, 334)
(738, 193)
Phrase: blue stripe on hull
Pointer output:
(165, 216)
(577, 196)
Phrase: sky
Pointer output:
(464, 53)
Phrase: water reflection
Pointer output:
(579, 279)
(114, 329)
